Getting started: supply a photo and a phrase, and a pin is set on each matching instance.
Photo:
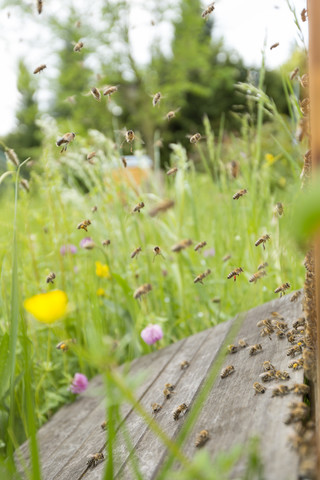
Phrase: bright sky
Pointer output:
(244, 25)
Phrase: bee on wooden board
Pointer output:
(39, 69)
(242, 343)
(181, 245)
(171, 114)
(39, 6)
(240, 194)
(179, 410)
(304, 81)
(300, 389)
(295, 296)
(266, 322)
(296, 364)
(50, 278)
(275, 45)
(254, 349)
(280, 324)
(103, 425)
(282, 375)
(280, 391)
(136, 252)
(142, 290)
(280, 334)
(236, 272)
(232, 348)
(200, 245)
(256, 276)
(267, 365)
(78, 46)
(64, 345)
(109, 90)
(172, 171)
(267, 332)
(208, 10)
(299, 323)
(202, 276)
(84, 225)
(184, 364)
(295, 350)
(157, 251)
(201, 438)
(138, 207)
(167, 393)
(129, 137)
(94, 459)
(262, 240)
(65, 139)
(156, 407)
(282, 288)
(267, 376)
(227, 371)
(258, 388)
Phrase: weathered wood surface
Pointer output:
(232, 412)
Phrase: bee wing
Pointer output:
(123, 131)
(139, 139)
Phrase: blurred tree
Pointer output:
(26, 138)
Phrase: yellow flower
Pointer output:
(102, 270)
(101, 292)
(47, 307)
(271, 159)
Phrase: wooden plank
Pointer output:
(232, 412)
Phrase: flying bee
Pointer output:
(156, 407)
(242, 343)
(161, 207)
(136, 252)
(94, 459)
(95, 93)
(129, 137)
(254, 349)
(50, 278)
(94, 209)
(256, 276)
(66, 139)
(24, 184)
(300, 322)
(39, 69)
(200, 278)
(64, 345)
(105, 243)
(233, 168)
(142, 290)
(295, 350)
(78, 46)
(199, 246)
(124, 162)
(181, 245)
(216, 300)
(239, 194)
(282, 288)
(233, 348)
(226, 258)
(157, 251)
(84, 225)
(300, 389)
(296, 364)
(267, 376)
(294, 73)
(103, 425)
(156, 98)
(138, 207)
(280, 391)
(262, 266)
(262, 240)
(172, 171)
(208, 10)
(275, 45)
(40, 5)
(201, 438)
(304, 80)
(184, 364)
(282, 375)
(258, 388)
(179, 410)
(236, 272)
(109, 90)
(267, 366)
(295, 296)
(227, 371)
(171, 114)
(304, 14)
(195, 138)
(278, 209)
(90, 156)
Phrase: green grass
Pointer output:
(64, 188)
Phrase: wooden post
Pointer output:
(314, 89)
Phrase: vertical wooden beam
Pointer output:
(313, 7)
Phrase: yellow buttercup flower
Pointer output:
(102, 271)
(271, 159)
(47, 307)
(101, 292)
